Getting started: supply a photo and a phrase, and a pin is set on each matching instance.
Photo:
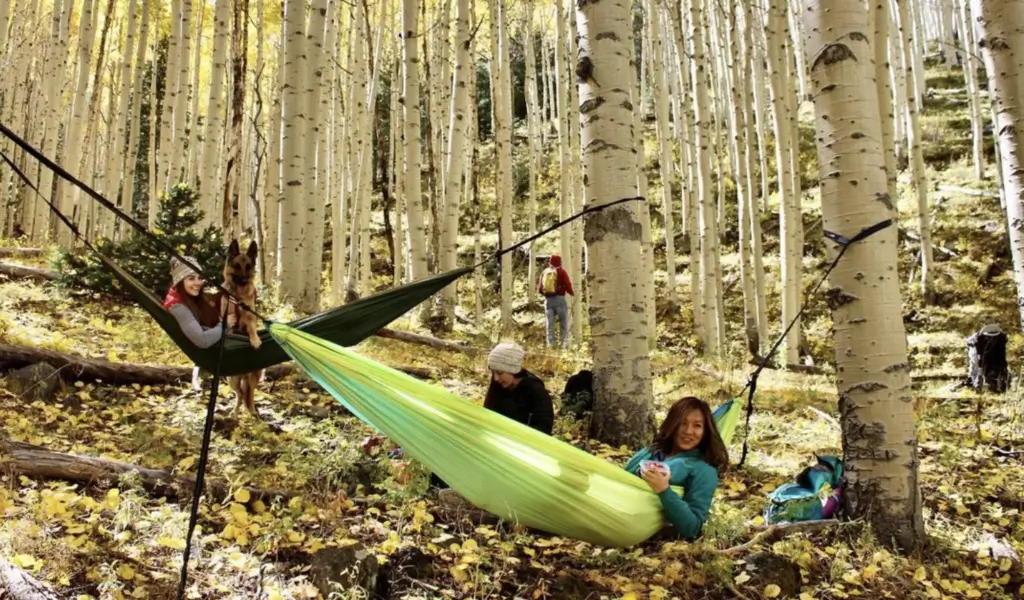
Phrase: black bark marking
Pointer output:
(836, 298)
(858, 135)
(869, 386)
(626, 104)
(884, 198)
(832, 54)
(585, 70)
(592, 104)
(828, 88)
(858, 36)
(607, 35)
(617, 220)
(897, 368)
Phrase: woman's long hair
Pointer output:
(712, 448)
(202, 306)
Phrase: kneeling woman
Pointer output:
(689, 444)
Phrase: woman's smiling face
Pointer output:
(690, 431)
(192, 284)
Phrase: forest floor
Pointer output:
(98, 541)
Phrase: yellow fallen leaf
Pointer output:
(771, 590)
(806, 596)
(630, 596)
(242, 496)
(126, 572)
(742, 578)
(25, 561)
(171, 542)
(920, 574)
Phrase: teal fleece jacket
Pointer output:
(698, 479)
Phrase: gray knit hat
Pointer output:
(506, 358)
(180, 270)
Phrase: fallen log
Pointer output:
(33, 461)
(426, 340)
(19, 585)
(13, 271)
(21, 252)
(779, 531)
(115, 373)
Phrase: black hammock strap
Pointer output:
(751, 387)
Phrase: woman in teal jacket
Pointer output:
(689, 444)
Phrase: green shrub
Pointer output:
(146, 259)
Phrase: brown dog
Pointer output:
(239, 270)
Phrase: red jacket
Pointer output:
(563, 285)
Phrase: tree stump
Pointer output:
(39, 381)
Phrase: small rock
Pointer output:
(36, 382)
(342, 569)
(766, 568)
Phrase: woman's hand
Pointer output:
(656, 479)
(232, 319)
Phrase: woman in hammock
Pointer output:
(689, 445)
(196, 313)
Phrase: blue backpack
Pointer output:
(803, 500)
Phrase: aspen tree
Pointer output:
(873, 375)
(661, 111)
(1000, 27)
(411, 108)
(972, 65)
(622, 369)
(210, 155)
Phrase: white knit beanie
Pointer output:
(506, 358)
(180, 270)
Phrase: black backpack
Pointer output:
(987, 368)
(578, 396)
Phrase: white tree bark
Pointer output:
(192, 140)
(1000, 27)
(710, 271)
(917, 153)
(291, 209)
(879, 21)
(115, 151)
(401, 255)
(274, 186)
(622, 370)
(210, 155)
(972, 64)
(533, 147)
(790, 253)
(879, 433)
(454, 169)
(56, 57)
(501, 101)
(316, 153)
(177, 151)
(75, 127)
(131, 158)
(574, 263)
(661, 109)
(647, 289)
(163, 149)
(411, 108)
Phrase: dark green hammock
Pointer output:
(345, 325)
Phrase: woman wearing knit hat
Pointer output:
(196, 313)
(515, 392)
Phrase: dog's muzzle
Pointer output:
(239, 280)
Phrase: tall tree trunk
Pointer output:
(316, 161)
(274, 185)
(74, 130)
(647, 290)
(879, 21)
(790, 253)
(1000, 27)
(661, 111)
(877, 410)
(131, 157)
(501, 101)
(165, 131)
(917, 152)
(745, 205)
(533, 147)
(457, 129)
(291, 217)
(232, 196)
(578, 200)
(622, 368)
(210, 154)
(972, 64)
(192, 136)
(710, 271)
(411, 108)
(177, 151)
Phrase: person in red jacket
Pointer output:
(554, 284)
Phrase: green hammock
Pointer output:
(498, 464)
(345, 325)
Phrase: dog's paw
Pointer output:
(256, 343)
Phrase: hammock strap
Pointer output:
(168, 248)
(204, 456)
(844, 244)
(502, 251)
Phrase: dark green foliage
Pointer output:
(142, 256)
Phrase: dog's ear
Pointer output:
(252, 251)
(233, 249)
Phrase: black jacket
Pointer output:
(529, 402)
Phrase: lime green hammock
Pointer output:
(498, 464)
